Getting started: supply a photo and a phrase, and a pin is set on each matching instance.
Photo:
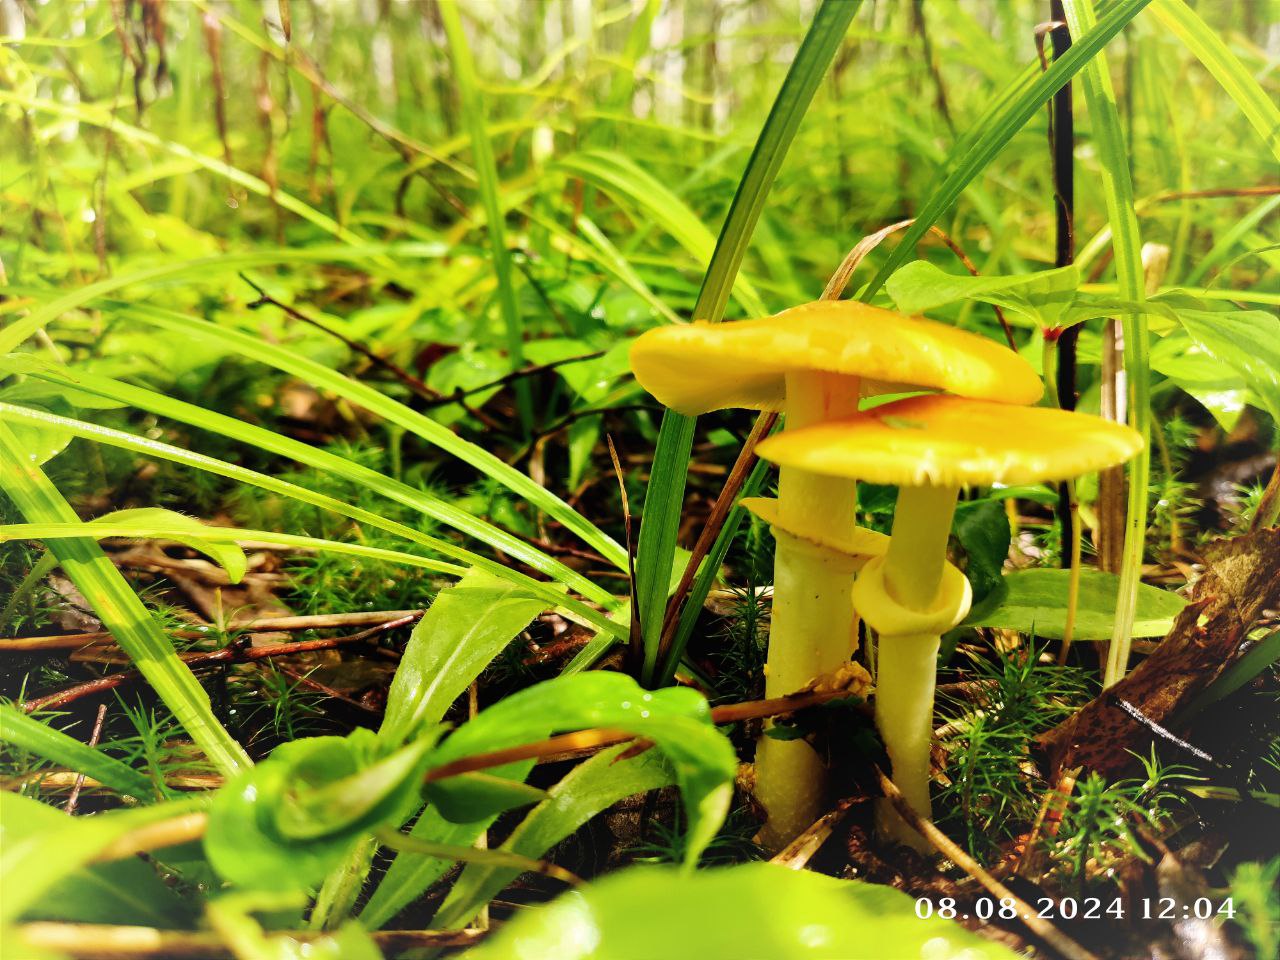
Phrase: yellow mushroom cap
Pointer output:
(698, 367)
(945, 441)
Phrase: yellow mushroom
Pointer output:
(931, 447)
(814, 363)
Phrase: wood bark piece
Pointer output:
(1241, 582)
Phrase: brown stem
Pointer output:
(109, 942)
(94, 737)
(236, 653)
(953, 852)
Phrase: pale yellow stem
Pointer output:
(918, 547)
(813, 628)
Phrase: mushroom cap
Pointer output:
(698, 367)
(946, 441)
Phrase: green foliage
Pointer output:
(751, 910)
(1035, 602)
(1255, 889)
(1016, 698)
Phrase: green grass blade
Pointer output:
(1126, 242)
(14, 333)
(119, 608)
(320, 375)
(998, 128)
(464, 73)
(664, 498)
(342, 468)
(1185, 24)
(29, 734)
(620, 177)
(98, 116)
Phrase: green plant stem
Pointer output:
(464, 71)
(1126, 242)
(665, 495)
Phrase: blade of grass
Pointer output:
(119, 608)
(664, 498)
(975, 152)
(29, 734)
(464, 73)
(371, 399)
(1126, 243)
(332, 464)
(95, 115)
(1185, 24)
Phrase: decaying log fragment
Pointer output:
(1241, 582)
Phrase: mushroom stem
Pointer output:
(918, 547)
(813, 628)
(907, 660)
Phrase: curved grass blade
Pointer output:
(119, 608)
(13, 335)
(196, 416)
(199, 461)
(664, 498)
(416, 423)
(29, 734)
(464, 72)
(998, 129)
(1185, 24)
(620, 176)
(97, 116)
(1126, 242)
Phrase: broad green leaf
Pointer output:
(123, 891)
(119, 608)
(467, 626)
(982, 527)
(297, 815)
(1038, 299)
(29, 734)
(46, 852)
(753, 910)
(1034, 602)
(664, 497)
(677, 720)
(1247, 341)
(588, 789)
(1196, 371)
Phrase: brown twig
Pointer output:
(94, 737)
(235, 653)
(325, 621)
(444, 399)
(96, 941)
(796, 854)
(952, 851)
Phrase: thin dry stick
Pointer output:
(949, 849)
(94, 737)
(840, 279)
(796, 854)
(73, 641)
(1048, 820)
(107, 942)
(237, 653)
